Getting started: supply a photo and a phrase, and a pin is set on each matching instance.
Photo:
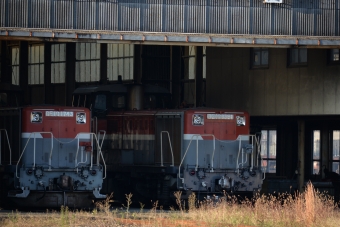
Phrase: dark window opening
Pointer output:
(297, 57)
(259, 58)
(333, 56)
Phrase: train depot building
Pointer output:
(278, 60)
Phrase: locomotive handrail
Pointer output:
(212, 158)
(239, 150)
(258, 142)
(170, 148)
(255, 142)
(241, 163)
(9, 146)
(100, 151)
(50, 158)
(81, 158)
(29, 138)
(101, 145)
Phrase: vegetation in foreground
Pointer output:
(306, 209)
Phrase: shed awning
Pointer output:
(52, 35)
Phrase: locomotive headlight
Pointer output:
(81, 118)
(240, 120)
(36, 117)
(197, 119)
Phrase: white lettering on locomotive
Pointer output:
(59, 114)
(220, 116)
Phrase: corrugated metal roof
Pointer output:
(179, 21)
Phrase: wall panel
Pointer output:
(276, 91)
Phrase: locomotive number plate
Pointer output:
(59, 114)
(220, 116)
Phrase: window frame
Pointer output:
(313, 159)
(299, 63)
(333, 160)
(260, 50)
(330, 57)
(15, 57)
(268, 158)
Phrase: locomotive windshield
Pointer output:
(118, 101)
(100, 102)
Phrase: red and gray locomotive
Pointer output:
(48, 157)
(153, 150)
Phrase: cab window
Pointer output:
(100, 102)
(118, 101)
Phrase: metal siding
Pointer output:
(292, 17)
(40, 13)
(305, 91)
(174, 16)
(151, 16)
(317, 95)
(259, 15)
(278, 90)
(329, 94)
(108, 16)
(196, 16)
(86, 14)
(239, 17)
(130, 16)
(3, 13)
(278, 56)
(217, 17)
(281, 18)
(63, 14)
(18, 19)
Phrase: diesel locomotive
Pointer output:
(153, 150)
(48, 158)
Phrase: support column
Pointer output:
(175, 74)
(301, 154)
(103, 63)
(23, 72)
(324, 155)
(47, 74)
(70, 76)
(137, 66)
(198, 75)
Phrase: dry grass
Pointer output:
(306, 209)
